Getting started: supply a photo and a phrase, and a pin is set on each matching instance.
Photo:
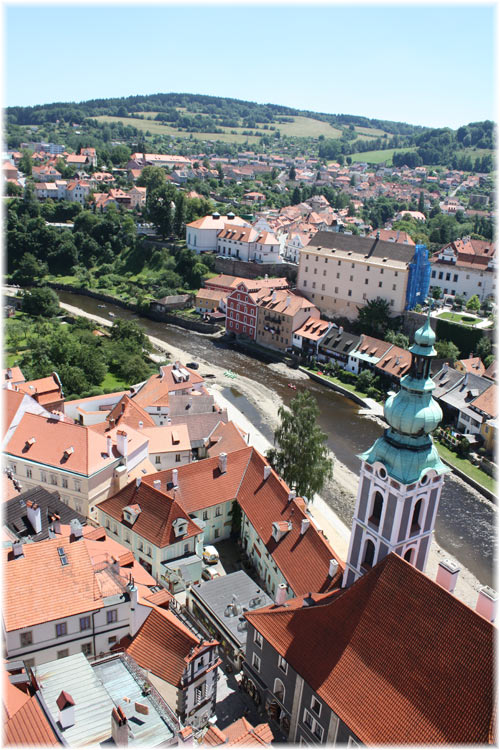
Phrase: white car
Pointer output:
(210, 555)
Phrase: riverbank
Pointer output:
(267, 403)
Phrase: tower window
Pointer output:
(408, 555)
(368, 556)
(378, 504)
(415, 521)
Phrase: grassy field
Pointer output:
(465, 320)
(375, 132)
(307, 127)
(378, 157)
(474, 472)
(157, 128)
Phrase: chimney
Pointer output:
(76, 528)
(487, 603)
(138, 482)
(187, 737)
(121, 442)
(34, 516)
(17, 549)
(109, 446)
(115, 566)
(9, 373)
(267, 472)
(66, 706)
(273, 298)
(333, 567)
(222, 463)
(157, 484)
(119, 728)
(135, 622)
(175, 478)
(291, 495)
(281, 594)
(447, 574)
(304, 525)
(56, 524)
(446, 366)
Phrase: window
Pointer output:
(440, 275)
(308, 719)
(84, 623)
(140, 546)
(338, 276)
(87, 649)
(369, 555)
(378, 504)
(148, 551)
(318, 731)
(157, 459)
(379, 284)
(111, 616)
(324, 272)
(216, 533)
(218, 511)
(27, 638)
(315, 706)
(29, 473)
(43, 475)
(205, 515)
(314, 285)
(63, 654)
(200, 692)
(455, 277)
(349, 293)
(394, 287)
(65, 483)
(366, 281)
(257, 639)
(256, 662)
(307, 269)
(282, 664)
(336, 290)
(351, 742)
(53, 479)
(279, 690)
(381, 270)
(111, 640)
(408, 554)
(78, 485)
(448, 276)
(433, 274)
(61, 629)
(415, 521)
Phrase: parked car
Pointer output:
(208, 574)
(210, 555)
(192, 365)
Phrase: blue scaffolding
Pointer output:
(419, 278)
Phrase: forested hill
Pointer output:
(179, 108)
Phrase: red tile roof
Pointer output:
(29, 726)
(158, 512)
(155, 391)
(226, 438)
(487, 401)
(131, 413)
(491, 371)
(313, 329)
(163, 646)
(395, 656)
(240, 732)
(396, 361)
(16, 375)
(63, 590)
(472, 364)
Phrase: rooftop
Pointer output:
(96, 690)
(50, 504)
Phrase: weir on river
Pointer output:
(465, 525)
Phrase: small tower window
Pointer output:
(378, 504)
(415, 521)
(409, 554)
(369, 555)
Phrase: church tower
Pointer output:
(401, 474)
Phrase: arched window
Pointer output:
(378, 504)
(369, 555)
(415, 521)
(279, 690)
(408, 556)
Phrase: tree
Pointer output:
(447, 350)
(483, 348)
(473, 304)
(292, 173)
(421, 202)
(180, 211)
(436, 292)
(29, 271)
(297, 196)
(26, 163)
(398, 339)
(128, 331)
(42, 302)
(301, 456)
(374, 318)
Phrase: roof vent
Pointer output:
(267, 472)
(487, 603)
(222, 463)
(333, 567)
(68, 451)
(157, 484)
(66, 706)
(281, 594)
(31, 441)
(447, 574)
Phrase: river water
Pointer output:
(465, 525)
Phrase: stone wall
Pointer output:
(250, 270)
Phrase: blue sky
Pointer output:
(421, 64)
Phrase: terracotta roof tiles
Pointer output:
(29, 726)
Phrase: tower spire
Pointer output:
(401, 474)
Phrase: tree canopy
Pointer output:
(301, 455)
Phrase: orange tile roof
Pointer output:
(201, 484)
(29, 726)
(313, 329)
(372, 346)
(491, 371)
(52, 438)
(286, 303)
(158, 512)
(162, 646)
(61, 591)
(11, 403)
(167, 438)
(16, 375)
(396, 361)
(226, 438)
(12, 697)
(240, 732)
(44, 390)
(472, 364)
(398, 658)
(156, 389)
(104, 550)
(131, 413)
(487, 401)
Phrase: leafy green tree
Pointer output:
(421, 202)
(14, 189)
(297, 196)
(366, 380)
(301, 456)
(133, 369)
(26, 163)
(436, 292)
(473, 304)
(180, 211)
(292, 173)
(152, 178)
(398, 339)
(30, 271)
(130, 332)
(447, 350)
(374, 318)
(159, 209)
(483, 348)
(42, 302)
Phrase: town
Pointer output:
(250, 426)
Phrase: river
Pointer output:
(466, 522)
